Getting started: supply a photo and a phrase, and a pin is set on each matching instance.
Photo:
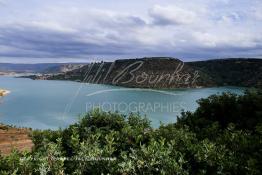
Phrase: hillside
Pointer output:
(62, 68)
(233, 72)
(141, 73)
(168, 73)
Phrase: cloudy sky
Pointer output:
(91, 30)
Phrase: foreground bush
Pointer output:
(223, 136)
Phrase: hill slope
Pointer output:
(233, 72)
(140, 73)
(168, 73)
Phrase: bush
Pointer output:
(223, 136)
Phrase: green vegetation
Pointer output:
(223, 136)
(232, 72)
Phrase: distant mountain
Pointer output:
(25, 68)
(38, 68)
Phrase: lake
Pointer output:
(43, 104)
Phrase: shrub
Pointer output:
(223, 136)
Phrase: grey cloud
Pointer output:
(171, 15)
(165, 31)
(39, 43)
(24, 41)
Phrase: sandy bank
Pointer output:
(4, 92)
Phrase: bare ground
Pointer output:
(14, 138)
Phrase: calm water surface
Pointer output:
(53, 104)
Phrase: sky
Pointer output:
(33, 31)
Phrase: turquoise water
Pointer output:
(46, 104)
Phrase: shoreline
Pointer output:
(177, 88)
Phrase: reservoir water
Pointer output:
(43, 104)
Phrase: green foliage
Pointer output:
(221, 110)
(223, 136)
(232, 72)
